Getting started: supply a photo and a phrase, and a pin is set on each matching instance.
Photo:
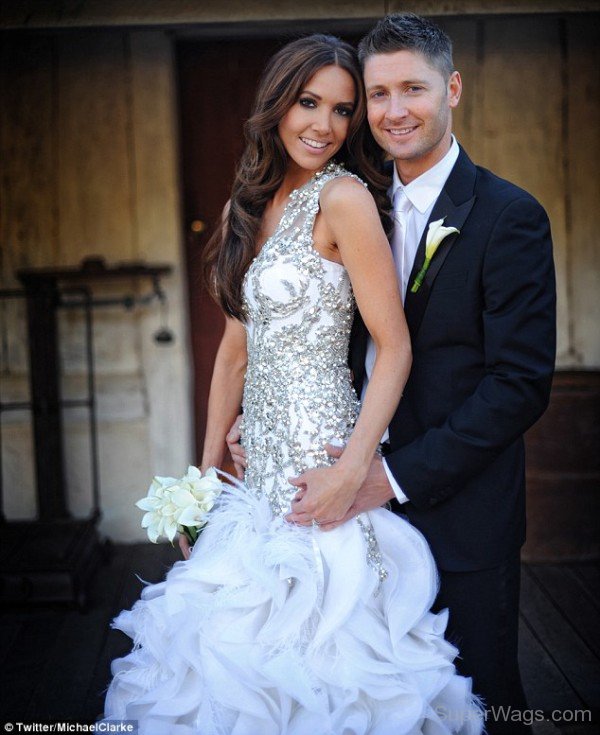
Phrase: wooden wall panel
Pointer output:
(33, 13)
(583, 188)
(154, 142)
(82, 13)
(488, 7)
(159, 239)
(523, 135)
(28, 213)
(467, 116)
(88, 158)
(563, 472)
(96, 214)
(96, 183)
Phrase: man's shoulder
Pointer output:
(493, 190)
(493, 185)
(501, 206)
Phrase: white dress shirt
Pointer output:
(413, 205)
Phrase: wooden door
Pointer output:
(217, 81)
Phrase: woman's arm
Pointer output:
(226, 390)
(352, 219)
(224, 400)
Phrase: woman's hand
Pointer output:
(185, 547)
(325, 495)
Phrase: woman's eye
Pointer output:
(344, 111)
(306, 102)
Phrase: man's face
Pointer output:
(409, 105)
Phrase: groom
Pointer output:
(482, 325)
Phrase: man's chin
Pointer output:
(400, 151)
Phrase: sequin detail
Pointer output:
(298, 392)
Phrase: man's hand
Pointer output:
(373, 493)
(185, 547)
(238, 455)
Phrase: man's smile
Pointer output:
(399, 132)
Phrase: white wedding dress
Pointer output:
(273, 629)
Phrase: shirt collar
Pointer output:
(426, 188)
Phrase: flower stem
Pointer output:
(191, 534)
(418, 282)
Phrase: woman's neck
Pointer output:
(294, 178)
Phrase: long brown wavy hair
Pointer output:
(264, 162)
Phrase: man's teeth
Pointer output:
(313, 143)
(401, 131)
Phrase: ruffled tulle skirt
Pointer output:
(272, 629)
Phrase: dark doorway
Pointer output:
(217, 80)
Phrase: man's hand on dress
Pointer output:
(238, 455)
(373, 493)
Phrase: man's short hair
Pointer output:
(409, 32)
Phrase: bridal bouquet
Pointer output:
(182, 505)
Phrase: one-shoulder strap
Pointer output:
(306, 199)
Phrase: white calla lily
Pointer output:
(148, 519)
(173, 505)
(436, 233)
(192, 516)
(199, 484)
(182, 497)
(164, 482)
(148, 503)
(170, 528)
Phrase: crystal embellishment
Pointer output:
(298, 393)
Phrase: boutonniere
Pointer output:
(435, 234)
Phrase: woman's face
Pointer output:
(316, 125)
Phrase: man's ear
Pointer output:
(454, 89)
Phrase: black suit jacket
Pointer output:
(483, 336)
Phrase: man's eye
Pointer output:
(415, 88)
(377, 95)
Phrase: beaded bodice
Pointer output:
(298, 393)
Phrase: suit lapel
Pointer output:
(454, 205)
(358, 351)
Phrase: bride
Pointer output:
(269, 627)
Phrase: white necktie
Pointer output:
(402, 207)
